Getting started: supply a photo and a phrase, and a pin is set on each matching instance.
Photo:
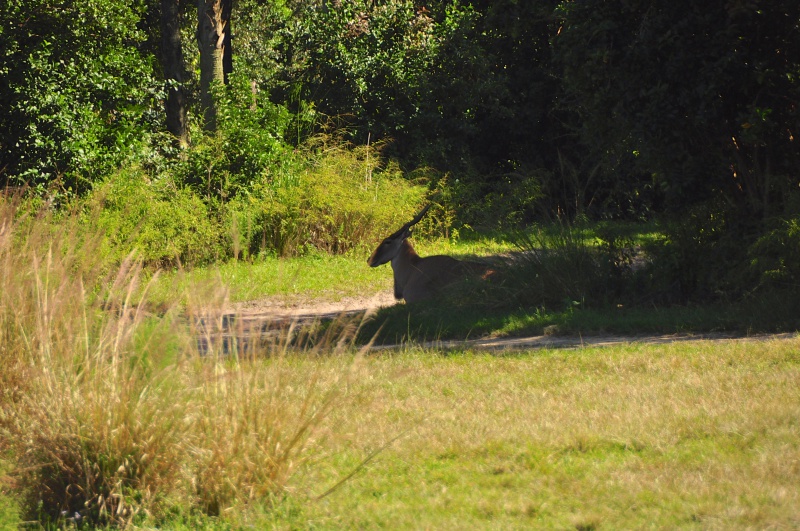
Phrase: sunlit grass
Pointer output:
(320, 277)
(111, 414)
(701, 435)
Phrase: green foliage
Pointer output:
(460, 87)
(243, 194)
(714, 150)
(363, 63)
(483, 107)
(248, 146)
(9, 511)
(560, 269)
(77, 95)
(342, 200)
(164, 223)
(775, 257)
(703, 256)
(323, 196)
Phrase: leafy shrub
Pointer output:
(166, 224)
(503, 201)
(340, 201)
(248, 146)
(775, 257)
(76, 91)
(703, 256)
(557, 269)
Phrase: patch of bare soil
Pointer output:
(311, 309)
(549, 342)
(308, 309)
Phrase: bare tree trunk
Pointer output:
(174, 70)
(214, 40)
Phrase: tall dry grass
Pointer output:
(109, 413)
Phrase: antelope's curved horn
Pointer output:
(419, 216)
(411, 223)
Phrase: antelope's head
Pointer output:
(390, 246)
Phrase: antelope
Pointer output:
(417, 278)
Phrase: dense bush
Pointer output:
(333, 199)
(700, 99)
(775, 257)
(162, 221)
(77, 97)
(248, 146)
(463, 88)
(341, 200)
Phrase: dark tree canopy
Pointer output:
(519, 111)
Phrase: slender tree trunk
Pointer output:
(214, 40)
(174, 70)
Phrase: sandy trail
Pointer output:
(278, 311)
(303, 308)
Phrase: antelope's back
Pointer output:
(436, 272)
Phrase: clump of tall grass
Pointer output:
(560, 268)
(556, 268)
(109, 414)
(77, 410)
(255, 426)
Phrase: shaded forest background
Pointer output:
(318, 125)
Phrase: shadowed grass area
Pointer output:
(434, 320)
(570, 281)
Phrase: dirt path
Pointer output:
(276, 310)
(544, 342)
(311, 308)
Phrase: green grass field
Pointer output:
(703, 435)
(112, 412)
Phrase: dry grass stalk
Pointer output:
(111, 414)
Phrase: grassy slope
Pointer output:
(703, 435)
